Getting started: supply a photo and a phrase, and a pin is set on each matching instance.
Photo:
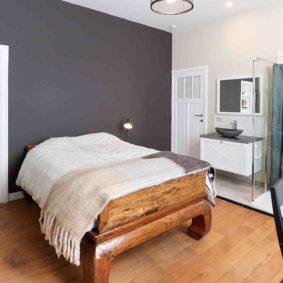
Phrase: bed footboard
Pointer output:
(151, 200)
(99, 250)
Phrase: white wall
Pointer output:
(228, 47)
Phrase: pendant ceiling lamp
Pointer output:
(171, 7)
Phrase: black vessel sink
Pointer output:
(228, 133)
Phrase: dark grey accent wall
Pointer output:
(75, 71)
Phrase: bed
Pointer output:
(129, 219)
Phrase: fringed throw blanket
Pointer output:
(75, 200)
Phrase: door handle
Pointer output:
(199, 115)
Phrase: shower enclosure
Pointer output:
(267, 126)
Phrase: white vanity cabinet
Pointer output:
(234, 157)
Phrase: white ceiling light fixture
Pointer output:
(171, 7)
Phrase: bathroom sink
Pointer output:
(228, 133)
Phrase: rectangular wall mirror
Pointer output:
(235, 95)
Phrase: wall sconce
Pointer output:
(127, 125)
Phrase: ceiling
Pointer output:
(139, 11)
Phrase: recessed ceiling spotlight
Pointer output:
(172, 26)
(229, 4)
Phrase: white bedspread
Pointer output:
(56, 157)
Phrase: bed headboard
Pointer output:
(30, 147)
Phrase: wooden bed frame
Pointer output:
(137, 217)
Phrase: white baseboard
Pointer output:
(16, 196)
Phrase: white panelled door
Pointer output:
(4, 60)
(189, 98)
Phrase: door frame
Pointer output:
(183, 72)
(4, 73)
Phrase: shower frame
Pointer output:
(256, 61)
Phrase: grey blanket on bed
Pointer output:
(189, 164)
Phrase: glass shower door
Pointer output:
(267, 128)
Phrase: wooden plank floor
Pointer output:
(242, 247)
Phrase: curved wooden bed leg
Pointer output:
(201, 224)
(96, 263)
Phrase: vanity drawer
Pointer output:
(228, 156)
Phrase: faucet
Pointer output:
(234, 124)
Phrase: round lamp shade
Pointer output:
(171, 7)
